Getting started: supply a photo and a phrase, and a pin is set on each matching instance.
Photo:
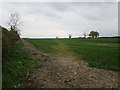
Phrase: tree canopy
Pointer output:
(14, 22)
(94, 34)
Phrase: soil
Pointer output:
(63, 70)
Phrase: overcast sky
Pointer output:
(51, 19)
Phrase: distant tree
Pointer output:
(84, 35)
(94, 34)
(70, 36)
(56, 37)
(14, 22)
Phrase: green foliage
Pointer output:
(94, 34)
(8, 38)
(15, 60)
(16, 63)
(99, 53)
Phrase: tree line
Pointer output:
(92, 34)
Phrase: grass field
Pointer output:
(99, 53)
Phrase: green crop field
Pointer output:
(99, 53)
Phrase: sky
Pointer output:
(51, 19)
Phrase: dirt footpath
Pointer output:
(62, 70)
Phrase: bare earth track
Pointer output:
(62, 70)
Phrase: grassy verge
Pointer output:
(99, 53)
(16, 63)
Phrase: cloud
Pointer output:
(51, 19)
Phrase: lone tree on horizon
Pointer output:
(14, 22)
(94, 34)
(84, 34)
(57, 37)
(70, 36)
